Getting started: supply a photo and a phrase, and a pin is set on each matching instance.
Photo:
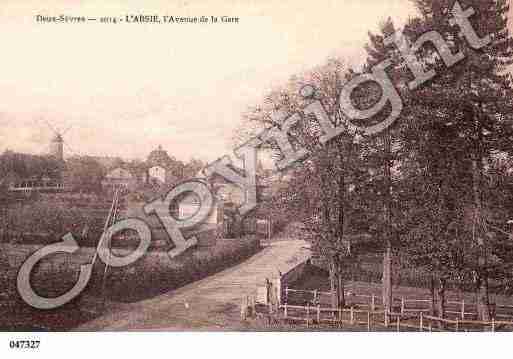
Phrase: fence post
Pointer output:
(402, 305)
(287, 294)
(315, 296)
(421, 324)
(285, 313)
(457, 325)
(278, 290)
(368, 321)
(463, 309)
(251, 303)
(373, 303)
(352, 315)
(243, 308)
(493, 324)
(318, 313)
(398, 323)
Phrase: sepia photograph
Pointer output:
(295, 173)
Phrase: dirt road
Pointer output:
(212, 303)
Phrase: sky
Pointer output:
(126, 88)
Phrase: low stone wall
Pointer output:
(290, 277)
(288, 272)
(295, 273)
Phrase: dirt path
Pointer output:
(212, 303)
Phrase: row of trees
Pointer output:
(25, 165)
(434, 190)
(82, 173)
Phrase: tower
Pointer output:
(57, 147)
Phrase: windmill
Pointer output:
(57, 143)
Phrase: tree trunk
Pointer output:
(483, 300)
(483, 307)
(387, 256)
(341, 290)
(477, 232)
(440, 296)
(333, 285)
(432, 304)
(387, 278)
(336, 286)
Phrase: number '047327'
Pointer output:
(24, 344)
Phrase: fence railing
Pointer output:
(310, 315)
(460, 310)
(317, 315)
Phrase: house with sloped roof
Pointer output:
(119, 177)
(163, 168)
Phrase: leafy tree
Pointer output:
(382, 154)
(85, 174)
(458, 123)
(323, 191)
(192, 168)
(26, 166)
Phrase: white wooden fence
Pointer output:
(460, 310)
(310, 315)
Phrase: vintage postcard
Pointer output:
(263, 166)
